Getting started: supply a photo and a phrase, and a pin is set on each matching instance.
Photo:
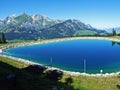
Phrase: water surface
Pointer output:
(70, 55)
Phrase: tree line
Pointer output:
(114, 33)
(2, 38)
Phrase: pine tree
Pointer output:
(3, 40)
(114, 32)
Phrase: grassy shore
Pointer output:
(95, 83)
(79, 82)
(25, 79)
(13, 62)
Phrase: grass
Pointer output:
(95, 83)
(14, 63)
(25, 80)
(79, 82)
(85, 32)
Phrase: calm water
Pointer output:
(70, 55)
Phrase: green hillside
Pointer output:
(84, 32)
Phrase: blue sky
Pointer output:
(98, 13)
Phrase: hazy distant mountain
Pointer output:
(110, 29)
(36, 26)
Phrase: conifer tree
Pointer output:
(3, 40)
(114, 32)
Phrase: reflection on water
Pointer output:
(114, 42)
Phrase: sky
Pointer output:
(98, 13)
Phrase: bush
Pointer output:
(54, 74)
(35, 69)
(68, 80)
(118, 86)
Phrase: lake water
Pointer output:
(70, 55)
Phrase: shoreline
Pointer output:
(2, 48)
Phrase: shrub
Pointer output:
(54, 74)
(68, 80)
(35, 69)
(118, 86)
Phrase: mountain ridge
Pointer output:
(36, 26)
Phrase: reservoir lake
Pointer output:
(73, 55)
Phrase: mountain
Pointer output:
(41, 27)
(25, 21)
(117, 29)
(69, 28)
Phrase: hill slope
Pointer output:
(40, 27)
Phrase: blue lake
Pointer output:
(70, 55)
